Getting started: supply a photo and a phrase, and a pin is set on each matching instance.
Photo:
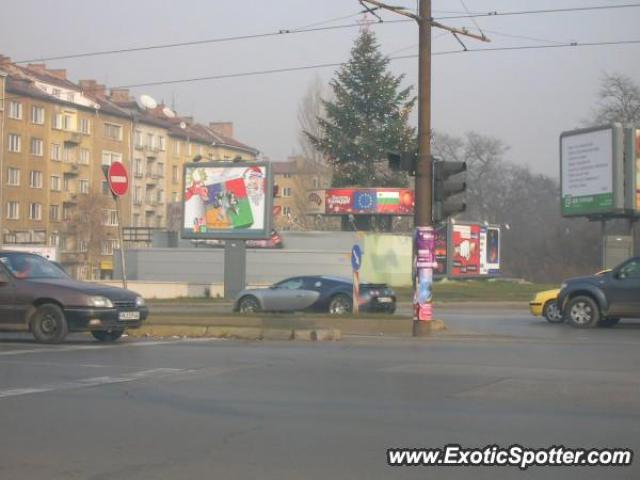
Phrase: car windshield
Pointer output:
(28, 266)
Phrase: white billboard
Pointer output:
(590, 163)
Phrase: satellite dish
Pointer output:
(168, 112)
(146, 102)
(183, 125)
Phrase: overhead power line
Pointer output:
(309, 29)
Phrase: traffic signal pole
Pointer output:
(423, 240)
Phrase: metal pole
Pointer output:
(423, 181)
(120, 239)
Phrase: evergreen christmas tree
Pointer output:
(367, 118)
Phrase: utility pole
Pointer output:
(423, 240)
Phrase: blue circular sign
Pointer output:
(356, 258)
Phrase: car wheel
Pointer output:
(107, 335)
(340, 305)
(582, 312)
(552, 313)
(608, 322)
(48, 324)
(249, 305)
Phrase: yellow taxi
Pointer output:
(544, 303)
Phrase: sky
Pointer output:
(526, 98)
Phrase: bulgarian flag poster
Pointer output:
(388, 201)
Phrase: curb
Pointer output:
(241, 333)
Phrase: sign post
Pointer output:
(119, 184)
(356, 263)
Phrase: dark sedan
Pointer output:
(316, 294)
(38, 296)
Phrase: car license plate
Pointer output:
(129, 316)
(385, 299)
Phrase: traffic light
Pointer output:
(444, 187)
(403, 162)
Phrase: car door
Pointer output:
(287, 296)
(623, 291)
(8, 304)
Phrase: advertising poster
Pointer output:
(440, 250)
(231, 201)
(587, 172)
(316, 202)
(365, 201)
(493, 250)
(466, 250)
(483, 251)
(339, 201)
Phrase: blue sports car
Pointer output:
(316, 294)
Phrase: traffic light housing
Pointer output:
(403, 162)
(444, 187)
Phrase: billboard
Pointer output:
(316, 202)
(227, 200)
(591, 171)
(363, 201)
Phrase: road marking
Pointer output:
(92, 382)
(72, 348)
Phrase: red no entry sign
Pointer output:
(118, 179)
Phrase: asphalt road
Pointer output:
(181, 409)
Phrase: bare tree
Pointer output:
(618, 100)
(309, 110)
(87, 226)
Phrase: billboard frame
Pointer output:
(617, 170)
(240, 234)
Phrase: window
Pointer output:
(14, 143)
(137, 139)
(110, 218)
(160, 170)
(84, 156)
(109, 157)
(85, 126)
(55, 183)
(84, 186)
(13, 210)
(137, 195)
(175, 197)
(68, 155)
(175, 174)
(162, 144)
(35, 179)
(286, 192)
(54, 240)
(136, 220)
(15, 110)
(286, 211)
(83, 245)
(138, 167)
(293, 284)
(54, 213)
(150, 140)
(63, 121)
(67, 211)
(160, 196)
(37, 147)
(108, 246)
(56, 152)
(67, 184)
(37, 115)
(35, 211)
(176, 148)
(113, 131)
(630, 270)
(287, 175)
(316, 182)
(13, 177)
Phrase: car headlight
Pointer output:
(140, 302)
(100, 302)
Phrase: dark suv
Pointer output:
(37, 295)
(602, 300)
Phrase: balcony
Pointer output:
(151, 179)
(73, 169)
(73, 138)
(72, 199)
